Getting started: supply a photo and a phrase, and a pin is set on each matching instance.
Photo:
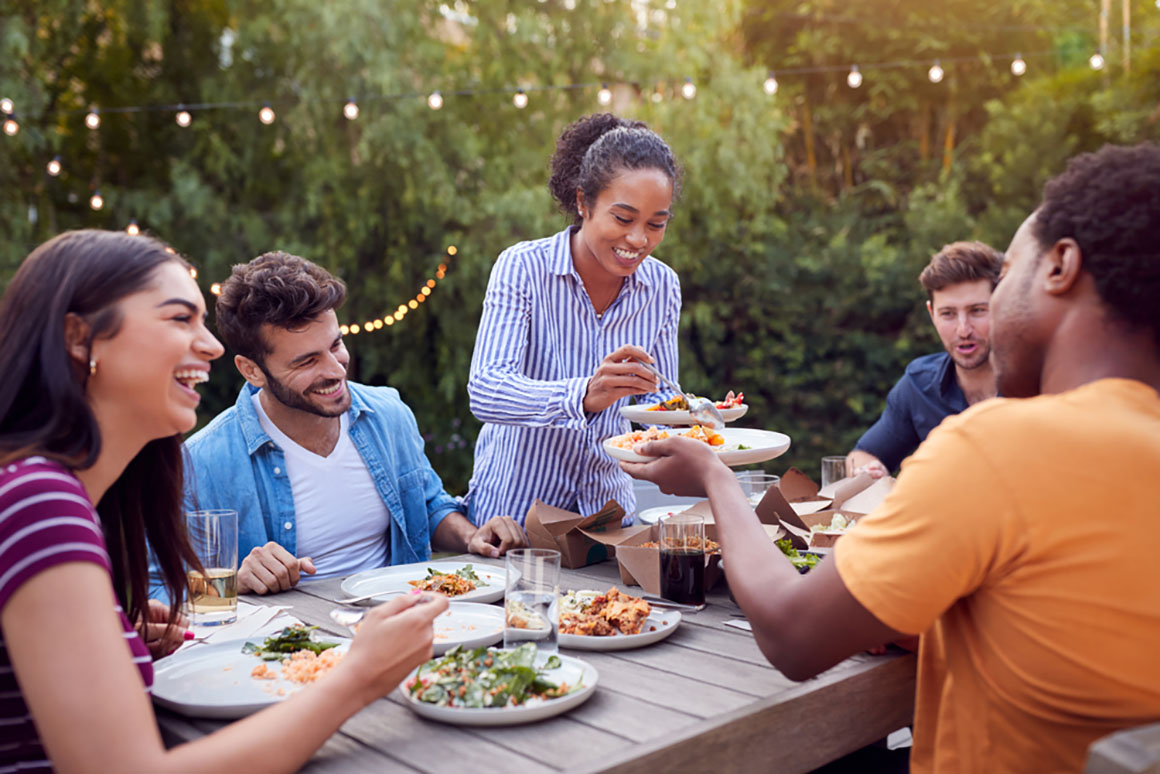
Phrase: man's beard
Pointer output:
(297, 400)
(977, 359)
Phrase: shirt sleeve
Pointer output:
(949, 525)
(499, 391)
(892, 438)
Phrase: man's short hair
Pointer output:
(961, 262)
(276, 288)
(1109, 203)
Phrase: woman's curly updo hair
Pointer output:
(596, 148)
(1109, 203)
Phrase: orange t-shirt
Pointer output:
(1023, 540)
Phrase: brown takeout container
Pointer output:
(640, 566)
(797, 503)
(581, 540)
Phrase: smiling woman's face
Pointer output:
(628, 220)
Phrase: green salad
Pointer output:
(487, 677)
(800, 561)
(289, 640)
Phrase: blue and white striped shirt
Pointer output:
(539, 342)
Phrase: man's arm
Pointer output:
(494, 538)
(892, 438)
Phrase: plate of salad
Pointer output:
(496, 687)
(461, 581)
(675, 411)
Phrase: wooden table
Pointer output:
(705, 699)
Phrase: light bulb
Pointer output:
(97, 201)
(520, 100)
(183, 118)
(350, 109)
(435, 101)
(1096, 61)
(6, 105)
(354, 328)
(93, 119)
(689, 90)
(378, 325)
(935, 73)
(770, 85)
(216, 288)
(192, 273)
(389, 321)
(1018, 66)
(266, 115)
(399, 314)
(657, 96)
(413, 304)
(604, 96)
(53, 167)
(425, 290)
(11, 126)
(854, 79)
(344, 329)
(452, 249)
(133, 230)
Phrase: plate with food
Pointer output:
(675, 411)
(239, 677)
(611, 620)
(467, 625)
(734, 445)
(496, 687)
(655, 515)
(461, 581)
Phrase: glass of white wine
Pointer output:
(213, 594)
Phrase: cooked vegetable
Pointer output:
(799, 561)
(453, 584)
(290, 640)
(486, 677)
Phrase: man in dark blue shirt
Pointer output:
(958, 281)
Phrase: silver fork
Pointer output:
(700, 409)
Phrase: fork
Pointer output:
(700, 409)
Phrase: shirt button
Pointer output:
(277, 471)
(289, 526)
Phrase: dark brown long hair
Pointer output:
(43, 409)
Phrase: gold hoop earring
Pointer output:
(92, 366)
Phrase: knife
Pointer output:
(653, 599)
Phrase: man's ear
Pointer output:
(1064, 263)
(76, 339)
(250, 371)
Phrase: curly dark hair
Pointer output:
(593, 149)
(276, 288)
(1109, 203)
(961, 262)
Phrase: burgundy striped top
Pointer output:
(46, 519)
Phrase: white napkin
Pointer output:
(253, 621)
(739, 623)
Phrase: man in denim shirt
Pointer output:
(958, 281)
(328, 477)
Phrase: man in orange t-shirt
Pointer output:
(1022, 536)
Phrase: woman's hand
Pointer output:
(161, 638)
(619, 376)
(681, 465)
(393, 639)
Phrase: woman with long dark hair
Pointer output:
(565, 320)
(102, 341)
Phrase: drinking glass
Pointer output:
(755, 484)
(683, 559)
(213, 595)
(833, 469)
(533, 586)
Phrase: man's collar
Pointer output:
(251, 426)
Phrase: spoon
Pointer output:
(350, 617)
(700, 409)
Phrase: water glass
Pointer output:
(529, 600)
(833, 469)
(213, 594)
(755, 484)
(683, 559)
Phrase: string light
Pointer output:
(192, 272)
(350, 109)
(183, 118)
(435, 101)
(133, 230)
(1018, 66)
(344, 329)
(216, 288)
(53, 166)
(657, 94)
(452, 249)
(770, 85)
(93, 119)
(689, 90)
(1096, 61)
(354, 329)
(935, 73)
(266, 114)
(520, 100)
(97, 201)
(604, 96)
(6, 105)
(854, 79)
(11, 126)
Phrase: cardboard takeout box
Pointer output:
(581, 540)
(798, 504)
(641, 566)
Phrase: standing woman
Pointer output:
(102, 340)
(564, 319)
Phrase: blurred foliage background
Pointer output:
(806, 214)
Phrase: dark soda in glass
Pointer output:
(683, 576)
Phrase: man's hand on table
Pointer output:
(681, 465)
(271, 568)
(497, 537)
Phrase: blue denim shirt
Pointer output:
(232, 463)
(925, 395)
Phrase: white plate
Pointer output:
(640, 414)
(654, 515)
(468, 624)
(763, 445)
(213, 681)
(396, 578)
(665, 621)
(571, 670)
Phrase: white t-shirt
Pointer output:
(343, 524)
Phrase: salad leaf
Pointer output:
(289, 640)
(486, 677)
(803, 563)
